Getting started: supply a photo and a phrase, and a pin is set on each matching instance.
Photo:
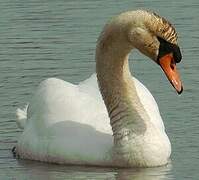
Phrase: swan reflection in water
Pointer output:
(39, 170)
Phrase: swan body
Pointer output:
(64, 136)
(115, 124)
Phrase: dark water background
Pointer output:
(57, 38)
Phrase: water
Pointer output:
(40, 39)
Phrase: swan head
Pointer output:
(155, 37)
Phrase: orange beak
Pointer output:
(168, 65)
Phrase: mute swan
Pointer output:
(69, 124)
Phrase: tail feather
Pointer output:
(21, 117)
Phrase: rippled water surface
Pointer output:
(57, 38)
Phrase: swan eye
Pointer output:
(167, 47)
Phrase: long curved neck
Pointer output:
(127, 115)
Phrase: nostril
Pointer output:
(172, 66)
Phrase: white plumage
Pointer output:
(69, 123)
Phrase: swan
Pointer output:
(110, 119)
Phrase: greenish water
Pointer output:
(40, 39)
